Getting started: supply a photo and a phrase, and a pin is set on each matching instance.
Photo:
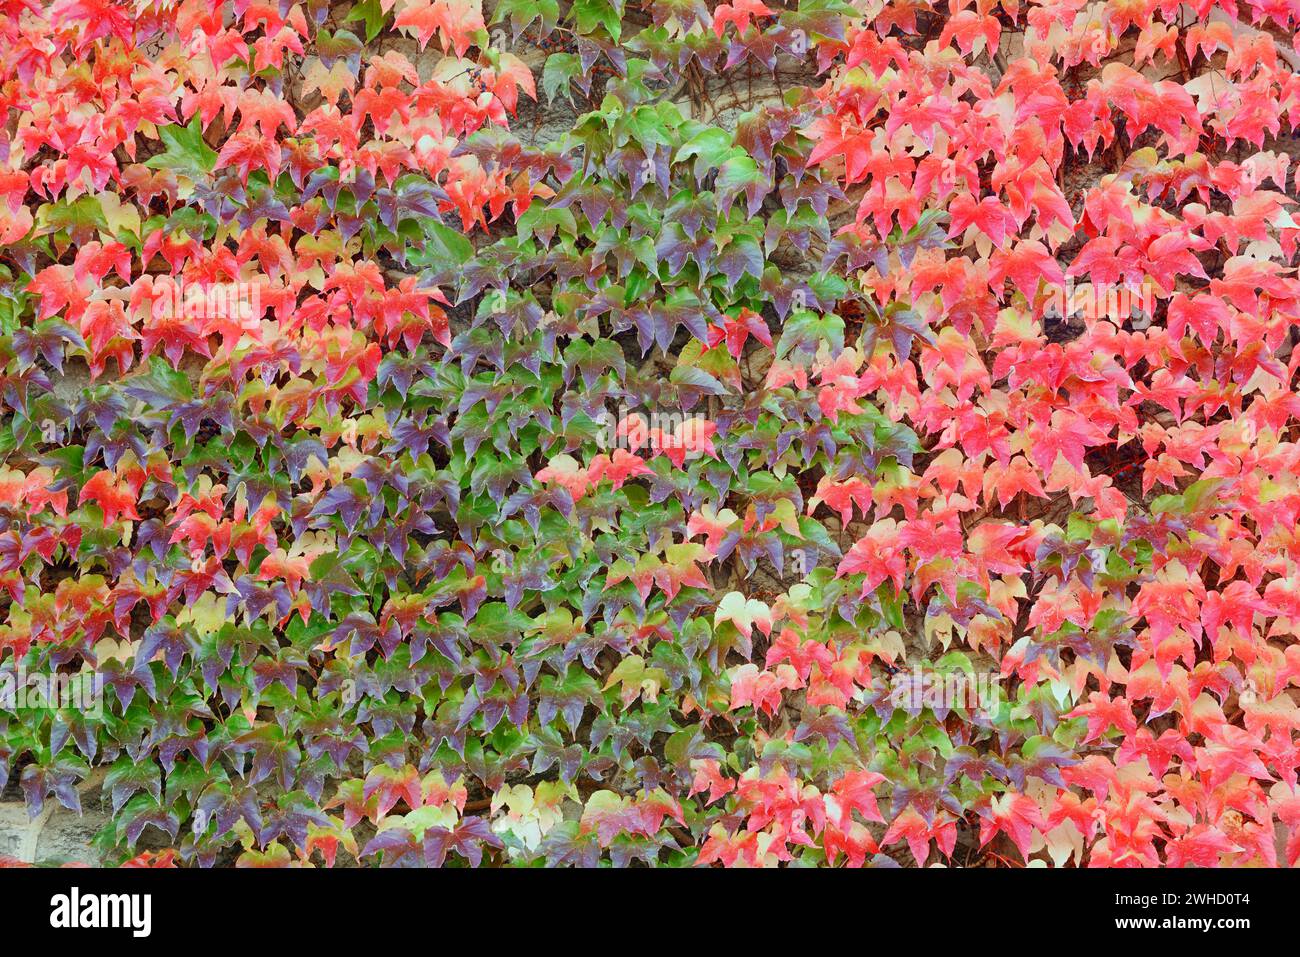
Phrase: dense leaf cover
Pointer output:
(426, 491)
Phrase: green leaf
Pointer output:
(589, 14)
(371, 13)
(559, 71)
(185, 152)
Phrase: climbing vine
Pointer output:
(831, 433)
